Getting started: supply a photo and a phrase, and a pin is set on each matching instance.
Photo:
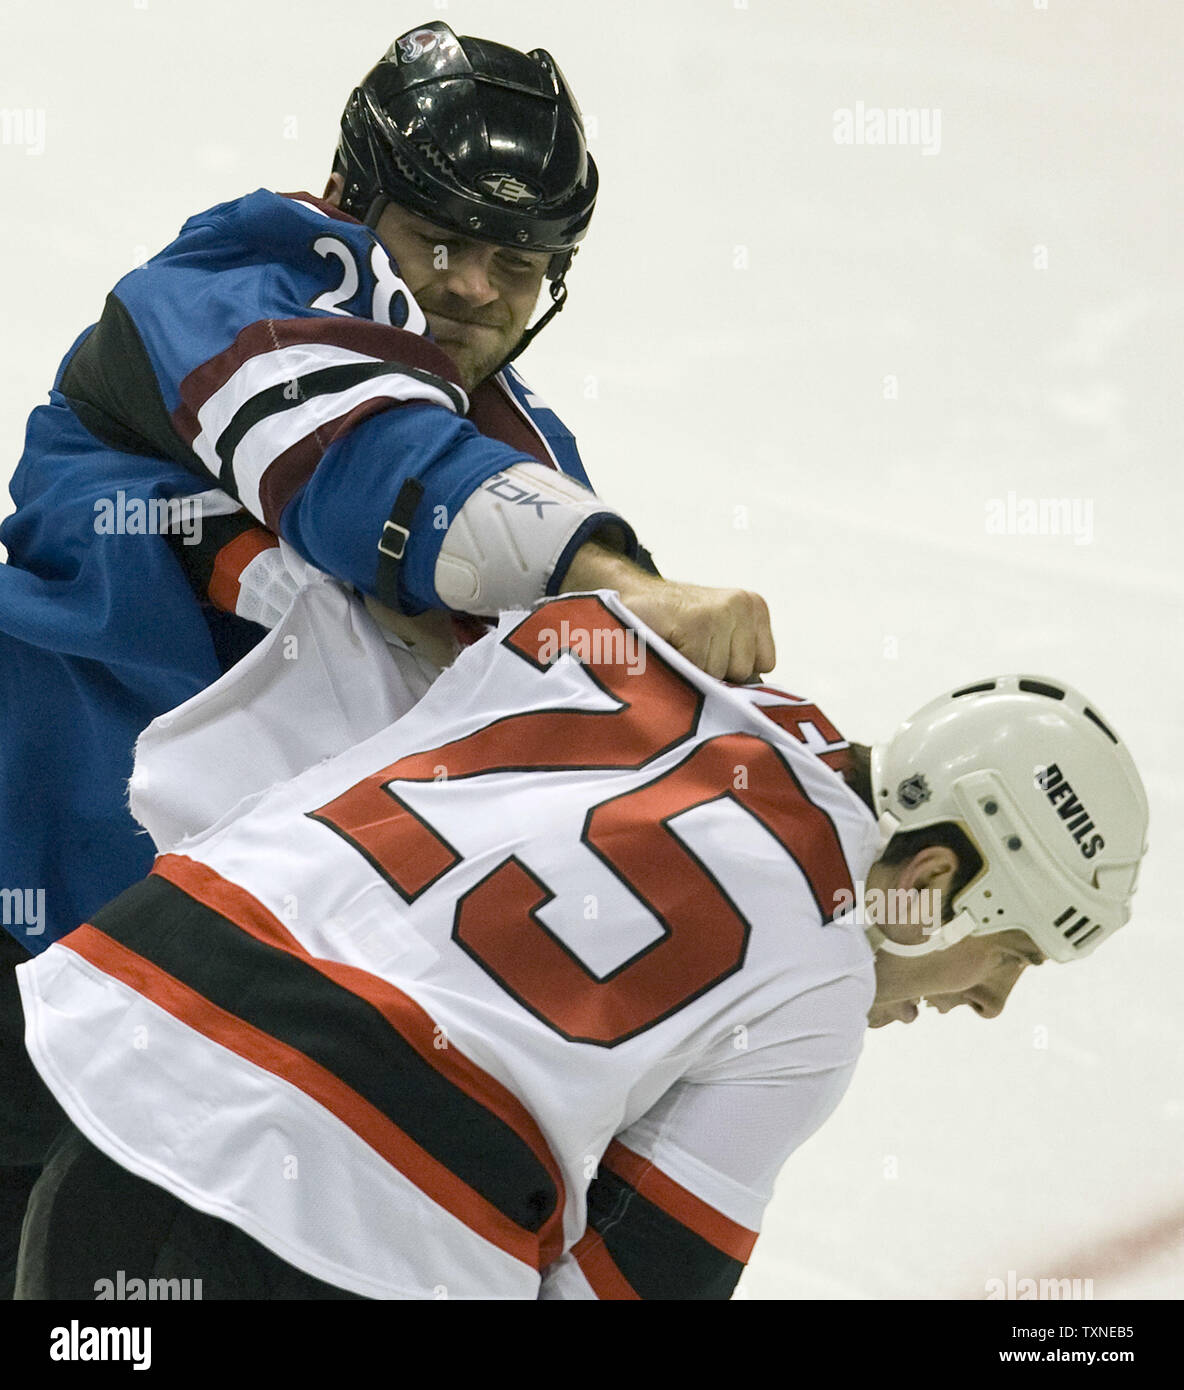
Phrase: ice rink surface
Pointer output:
(817, 370)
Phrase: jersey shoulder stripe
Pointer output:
(315, 338)
(261, 414)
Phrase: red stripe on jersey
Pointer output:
(377, 340)
(497, 415)
(690, 1211)
(403, 1014)
(597, 1266)
(294, 1067)
(329, 209)
(230, 562)
(289, 471)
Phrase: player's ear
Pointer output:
(927, 878)
(334, 189)
(934, 867)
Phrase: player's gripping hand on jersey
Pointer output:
(725, 632)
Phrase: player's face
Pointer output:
(979, 971)
(477, 297)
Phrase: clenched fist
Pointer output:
(725, 632)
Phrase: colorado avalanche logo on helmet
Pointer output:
(508, 188)
(417, 43)
(913, 791)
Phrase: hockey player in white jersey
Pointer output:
(531, 992)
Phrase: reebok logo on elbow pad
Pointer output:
(492, 557)
(507, 491)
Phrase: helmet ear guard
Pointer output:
(1047, 794)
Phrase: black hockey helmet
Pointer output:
(475, 137)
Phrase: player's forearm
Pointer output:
(423, 512)
(596, 565)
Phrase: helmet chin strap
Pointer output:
(375, 210)
(558, 295)
(958, 928)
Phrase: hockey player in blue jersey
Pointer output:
(332, 371)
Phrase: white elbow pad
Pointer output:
(506, 542)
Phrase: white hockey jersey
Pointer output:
(529, 994)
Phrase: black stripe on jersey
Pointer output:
(273, 400)
(657, 1255)
(281, 995)
(198, 560)
(111, 386)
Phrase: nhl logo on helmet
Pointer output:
(913, 791)
(507, 188)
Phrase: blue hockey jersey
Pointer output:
(271, 359)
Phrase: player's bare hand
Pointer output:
(725, 632)
(431, 634)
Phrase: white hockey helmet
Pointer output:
(1047, 793)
